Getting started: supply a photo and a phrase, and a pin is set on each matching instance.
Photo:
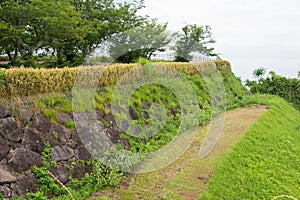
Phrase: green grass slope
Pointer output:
(266, 162)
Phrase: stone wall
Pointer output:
(22, 141)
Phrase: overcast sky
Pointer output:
(249, 33)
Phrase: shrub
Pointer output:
(28, 81)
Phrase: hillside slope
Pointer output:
(266, 162)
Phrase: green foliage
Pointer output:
(50, 106)
(105, 123)
(66, 30)
(259, 72)
(70, 125)
(47, 185)
(287, 88)
(27, 27)
(143, 61)
(80, 189)
(138, 42)
(55, 136)
(193, 38)
(264, 164)
(17, 198)
(1, 196)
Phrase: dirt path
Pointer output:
(187, 176)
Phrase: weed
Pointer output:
(71, 125)
(55, 136)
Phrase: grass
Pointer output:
(265, 163)
(180, 180)
(262, 164)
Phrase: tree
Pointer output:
(105, 18)
(287, 88)
(30, 26)
(259, 72)
(193, 39)
(68, 30)
(138, 42)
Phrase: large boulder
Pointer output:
(61, 133)
(10, 130)
(41, 123)
(25, 183)
(23, 159)
(34, 140)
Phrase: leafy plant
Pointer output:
(193, 38)
(70, 125)
(47, 185)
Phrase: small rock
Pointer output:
(61, 173)
(114, 134)
(146, 115)
(13, 145)
(10, 130)
(71, 143)
(3, 161)
(124, 143)
(145, 105)
(80, 170)
(100, 114)
(41, 123)
(25, 115)
(25, 184)
(110, 119)
(3, 148)
(83, 153)
(34, 140)
(59, 153)
(6, 177)
(76, 138)
(24, 159)
(6, 191)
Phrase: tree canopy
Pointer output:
(193, 38)
(142, 41)
(62, 33)
(68, 30)
(287, 88)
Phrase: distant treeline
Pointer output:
(287, 88)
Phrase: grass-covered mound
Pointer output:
(265, 163)
(30, 82)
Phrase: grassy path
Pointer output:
(187, 176)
